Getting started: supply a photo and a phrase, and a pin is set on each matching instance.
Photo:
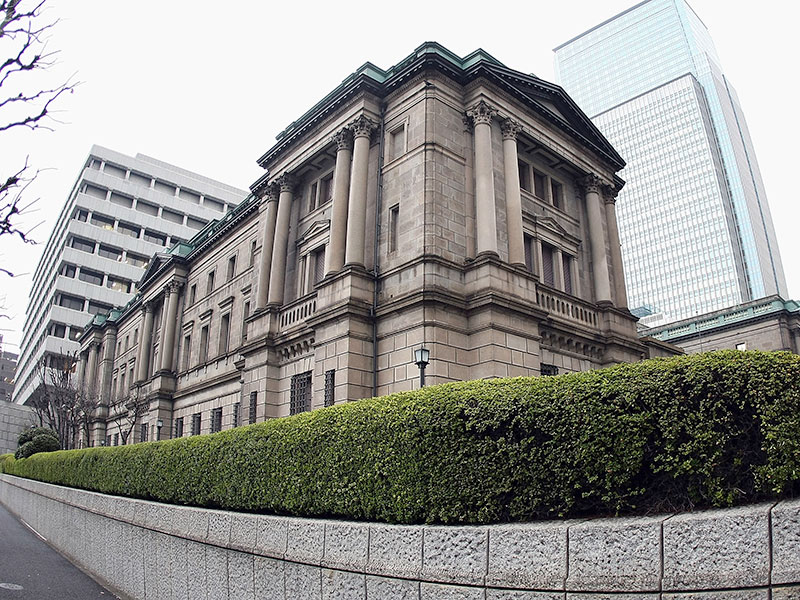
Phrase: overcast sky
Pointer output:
(208, 85)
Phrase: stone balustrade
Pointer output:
(149, 550)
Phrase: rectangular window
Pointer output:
(567, 263)
(548, 275)
(245, 314)
(143, 432)
(253, 407)
(120, 200)
(82, 215)
(397, 142)
(539, 188)
(224, 333)
(95, 192)
(90, 276)
(210, 283)
(122, 380)
(193, 294)
(164, 188)
(524, 176)
(195, 223)
(139, 179)
(216, 420)
(189, 195)
(330, 385)
(529, 246)
(252, 252)
(325, 189)
(394, 216)
(102, 221)
(75, 333)
(136, 260)
(58, 330)
(214, 204)
(71, 302)
(172, 216)
(82, 245)
(187, 351)
(300, 393)
(147, 208)
(557, 194)
(129, 230)
(119, 285)
(109, 252)
(68, 271)
(179, 427)
(231, 267)
(155, 238)
(319, 265)
(548, 370)
(203, 345)
(116, 439)
(312, 196)
(196, 424)
(237, 409)
(97, 308)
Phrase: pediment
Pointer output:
(315, 229)
(156, 262)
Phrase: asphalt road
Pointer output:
(32, 570)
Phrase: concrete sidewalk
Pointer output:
(32, 570)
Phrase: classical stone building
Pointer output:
(448, 203)
(770, 324)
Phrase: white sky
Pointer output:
(208, 85)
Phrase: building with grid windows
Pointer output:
(695, 226)
(120, 212)
(447, 203)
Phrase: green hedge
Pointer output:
(704, 430)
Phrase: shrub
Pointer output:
(703, 430)
(27, 435)
(41, 443)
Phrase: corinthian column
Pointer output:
(94, 350)
(270, 212)
(610, 198)
(597, 242)
(516, 242)
(357, 205)
(485, 217)
(168, 341)
(334, 256)
(277, 277)
(145, 342)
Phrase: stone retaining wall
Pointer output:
(14, 419)
(146, 550)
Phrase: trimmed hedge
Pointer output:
(37, 439)
(712, 429)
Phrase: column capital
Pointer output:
(610, 193)
(173, 287)
(591, 183)
(510, 129)
(481, 113)
(343, 139)
(362, 127)
(147, 307)
(286, 182)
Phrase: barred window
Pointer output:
(143, 432)
(300, 393)
(237, 408)
(196, 424)
(548, 370)
(253, 406)
(179, 427)
(330, 384)
(216, 420)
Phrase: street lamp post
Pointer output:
(422, 358)
(159, 425)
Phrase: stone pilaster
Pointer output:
(335, 254)
(91, 368)
(107, 363)
(357, 204)
(277, 277)
(516, 242)
(486, 219)
(269, 214)
(145, 344)
(610, 198)
(597, 243)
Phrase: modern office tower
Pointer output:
(8, 369)
(120, 212)
(695, 226)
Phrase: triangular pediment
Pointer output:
(155, 264)
(316, 228)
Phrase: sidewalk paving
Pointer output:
(32, 570)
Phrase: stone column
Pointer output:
(486, 219)
(357, 204)
(334, 256)
(516, 241)
(82, 379)
(558, 269)
(610, 197)
(538, 261)
(169, 327)
(270, 212)
(597, 241)
(277, 277)
(145, 343)
(110, 346)
(91, 368)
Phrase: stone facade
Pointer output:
(447, 202)
(145, 549)
(14, 419)
(767, 324)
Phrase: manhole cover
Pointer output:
(10, 586)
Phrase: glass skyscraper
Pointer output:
(694, 223)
